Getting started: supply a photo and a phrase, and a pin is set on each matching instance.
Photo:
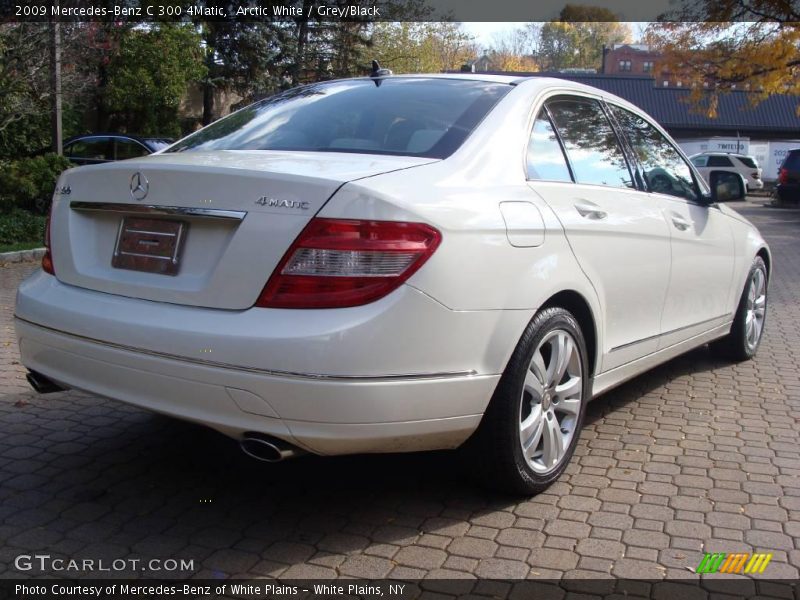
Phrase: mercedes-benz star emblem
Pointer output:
(139, 186)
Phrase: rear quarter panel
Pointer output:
(476, 268)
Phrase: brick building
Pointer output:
(630, 59)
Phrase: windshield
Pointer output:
(405, 116)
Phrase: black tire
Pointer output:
(495, 452)
(736, 346)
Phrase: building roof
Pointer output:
(671, 107)
(639, 47)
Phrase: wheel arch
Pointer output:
(575, 303)
(763, 252)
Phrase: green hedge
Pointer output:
(20, 226)
(28, 183)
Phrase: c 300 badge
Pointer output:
(276, 203)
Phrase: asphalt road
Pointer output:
(696, 456)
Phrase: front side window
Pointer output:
(396, 115)
(590, 142)
(719, 161)
(546, 160)
(665, 171)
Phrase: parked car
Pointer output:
(788, 186)
(394, 264)
(746, 166)
(106, 147)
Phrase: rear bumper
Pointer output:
(788, 193)
(437, 404)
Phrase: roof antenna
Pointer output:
(377, 71)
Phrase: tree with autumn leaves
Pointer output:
(575, 40)
(717, 46)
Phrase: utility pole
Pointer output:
(55, 82)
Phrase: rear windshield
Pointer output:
(792, 160)
(747, 162)
(158, 144)
(405, 116)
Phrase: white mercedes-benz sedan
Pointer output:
(392, 264)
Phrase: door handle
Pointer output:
(590, 210)
(680, 223)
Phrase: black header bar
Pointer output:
(346, 10)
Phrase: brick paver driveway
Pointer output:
(696, 456)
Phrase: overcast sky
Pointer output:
(545, 10)
(484, 32)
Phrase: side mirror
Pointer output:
(726, 186)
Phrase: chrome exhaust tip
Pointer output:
(42, 384)
(268, 449)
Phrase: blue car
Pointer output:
(98, 148)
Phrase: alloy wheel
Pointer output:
(756, 309)
(551, 401)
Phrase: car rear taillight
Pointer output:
(47, 259)
(755, 175)
(783, 175)
(338, 263)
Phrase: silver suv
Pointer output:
(746, 166)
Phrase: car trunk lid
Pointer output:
(201, 229)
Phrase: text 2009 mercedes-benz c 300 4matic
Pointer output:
(395, 263)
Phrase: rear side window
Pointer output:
(129, 149)
(664, 169)
(792, 160)
(546, 159)
(747, 162)
(590, 142)
(156, 145)
(396, 115)
(90, 149)
(719, 161)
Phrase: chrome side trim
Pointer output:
(268, 372)
(652, 337)
(607, 380)
(149, 209)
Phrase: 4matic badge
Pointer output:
(275, 203)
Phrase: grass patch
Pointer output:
(17, 246)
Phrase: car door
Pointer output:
(702, 245)
(620, 240)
